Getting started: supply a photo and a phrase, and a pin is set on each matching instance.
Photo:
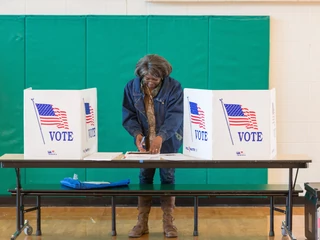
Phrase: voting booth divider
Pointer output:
(229, 124)
(60, 124)
(218, 124)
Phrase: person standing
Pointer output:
(152, 113)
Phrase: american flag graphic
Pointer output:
(89, 114)
(240, 116)
(52, 116)
(197, 115)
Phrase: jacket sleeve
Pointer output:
(129, 115)
(174, 114)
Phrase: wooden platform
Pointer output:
(88, 223)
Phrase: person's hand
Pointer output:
(156, 145)
(139, 142)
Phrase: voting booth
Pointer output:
(60, 124)
(229, 124)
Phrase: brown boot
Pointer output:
(167, 206)
(144, 205)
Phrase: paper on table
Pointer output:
(103, 156)
(14, 156)
(141, 156)
(177, 157)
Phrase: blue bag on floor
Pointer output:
(77, 184)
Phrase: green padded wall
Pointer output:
(55, 59)
(239, 53)
(239, 59)
(74, 52)
(172, 37)
(184, 42)
(11, 87)
(114, 44)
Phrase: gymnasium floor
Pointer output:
(93, 223)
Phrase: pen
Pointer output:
(142, 143)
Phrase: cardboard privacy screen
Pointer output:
(229, 124)
(60, 124)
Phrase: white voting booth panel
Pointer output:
(60, 124)
(229, 124)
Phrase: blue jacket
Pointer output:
(168, 105)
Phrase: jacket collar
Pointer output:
(162, 93)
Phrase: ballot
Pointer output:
(133, 155)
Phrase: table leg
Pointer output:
(38, 232)
(287, 225)
(271, 231)
(19, 211)
(18, 199)
(113, 209)
(195, 224)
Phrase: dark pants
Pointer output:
(166, 175)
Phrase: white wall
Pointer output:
(294, 58)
